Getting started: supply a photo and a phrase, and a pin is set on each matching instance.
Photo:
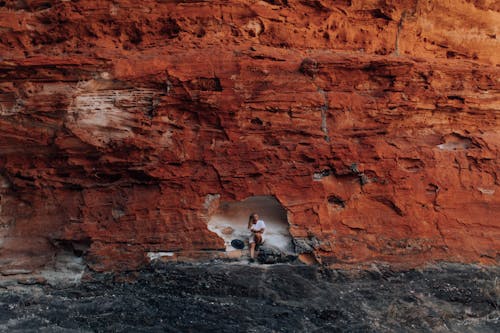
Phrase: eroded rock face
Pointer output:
(374, 124)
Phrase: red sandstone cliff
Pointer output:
(374, 123)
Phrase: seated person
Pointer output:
(257, 228)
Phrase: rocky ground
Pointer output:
(222, 297)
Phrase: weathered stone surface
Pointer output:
(374, 124)
(274, 298)
(272, 255)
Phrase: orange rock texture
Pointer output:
(125, 123)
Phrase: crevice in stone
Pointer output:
(378, 13)
(410, 164)
(398, 33)
(391, 204)
(336, 201)
(78, 247)
(316, 4)
(205, 84)
(455, 141)
(324, 114)
(309, 67)
(170, 28)
(362, 176)
(433, 190)
(321, 174)
(278, 2)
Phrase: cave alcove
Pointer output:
(231, 219)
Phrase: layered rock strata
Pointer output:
(125, 124)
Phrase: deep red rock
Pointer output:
(375, 124)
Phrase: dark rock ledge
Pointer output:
(224, 297)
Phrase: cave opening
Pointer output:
(231, 220)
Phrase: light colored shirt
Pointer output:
(259, 225)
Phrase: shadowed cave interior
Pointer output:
(231, 220)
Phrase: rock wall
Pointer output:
(375, 124)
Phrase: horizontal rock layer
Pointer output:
(280, 298)
(375, 124)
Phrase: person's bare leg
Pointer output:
(252, 250)
(258, 240)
